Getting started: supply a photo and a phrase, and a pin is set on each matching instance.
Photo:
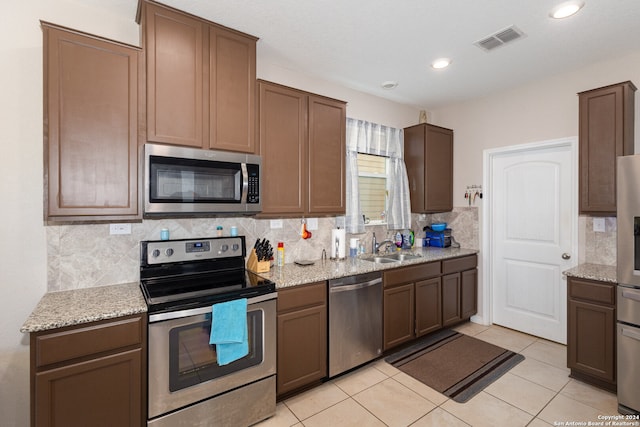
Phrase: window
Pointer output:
(372, 183)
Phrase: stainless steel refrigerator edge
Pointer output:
(628, 276)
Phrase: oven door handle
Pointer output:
(158, 317)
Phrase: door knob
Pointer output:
(566, 256)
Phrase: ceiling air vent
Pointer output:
(500, 38)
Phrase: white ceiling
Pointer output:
(362, 43)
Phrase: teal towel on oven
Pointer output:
(229, 330)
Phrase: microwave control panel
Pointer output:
(253, 192)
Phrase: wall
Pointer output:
(540, 111)
(25, 259)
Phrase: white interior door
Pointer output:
(533, 226)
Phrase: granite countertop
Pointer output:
(293, 274)
(603, 273)
(74, 307)
(78, 306)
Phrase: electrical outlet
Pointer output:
(312, 224)
(119, 228)
(599, 225)
(276, 223)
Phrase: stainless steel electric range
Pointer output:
(181, 280)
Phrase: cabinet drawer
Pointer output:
(459, 264)
(591, 290)
(410, 274)
(87, 340)
(302, 296)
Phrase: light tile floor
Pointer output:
(537, 392)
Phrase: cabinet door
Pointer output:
(451, 299)
(414, 146)
(428, 156)
(399, 315)
(175, 47)
(282, 118)
(428, 306)
(591, 339)
(469, 293)
(91, 127)
(100, 392)
(438, 195)
(606, 131)
(302, 348)
(232, 87)
(326, 158)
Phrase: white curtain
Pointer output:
(371, 138)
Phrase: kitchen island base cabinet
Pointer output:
(302, 337)
(90, 375)
(591, 331)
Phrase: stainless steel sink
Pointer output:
(379, 259)
(401, 256)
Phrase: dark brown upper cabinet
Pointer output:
(606, 132)
(201, 81)
(428, 155)
(302, 144)
(91, 96)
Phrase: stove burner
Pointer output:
(188, 273)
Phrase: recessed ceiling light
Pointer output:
(566, 9)
(389, 84)
(441, 63)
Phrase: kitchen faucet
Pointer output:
(375, 246)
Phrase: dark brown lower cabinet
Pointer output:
(459, 289)
(411, 303)
(398, 315)
(591, 332)
(93, 374)
(428, 306)
(302, 336)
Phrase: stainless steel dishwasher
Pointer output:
(355, 321)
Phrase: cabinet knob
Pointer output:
(566, 256)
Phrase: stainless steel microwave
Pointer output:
(190, 181)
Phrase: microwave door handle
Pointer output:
(245, 183)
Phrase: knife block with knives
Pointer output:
(260, 258)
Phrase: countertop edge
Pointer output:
(80, 306)
(590, 271)
(291, 275)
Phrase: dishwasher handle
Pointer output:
(345, 288)
(630, 333)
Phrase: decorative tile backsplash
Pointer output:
(82, 256)
(599, 247)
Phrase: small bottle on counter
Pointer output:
(219, 230)
(280, 255)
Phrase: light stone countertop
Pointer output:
(292, 274)
(603, 273)
(78, 306)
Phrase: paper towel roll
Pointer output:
(338, 243)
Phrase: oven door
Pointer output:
(182, 364)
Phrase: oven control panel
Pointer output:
(169, 251)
